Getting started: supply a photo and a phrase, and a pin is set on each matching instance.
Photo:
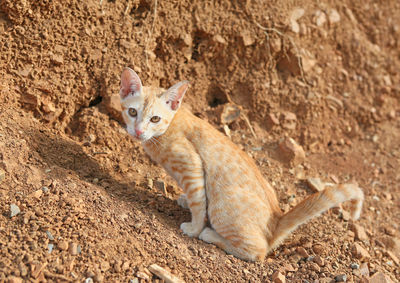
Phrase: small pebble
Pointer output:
(310, 258)
(45, 189)
(73, 248)
(14, 209)
(50, 247)
(63, 245)
(89, 280)
(49, 235)
(354, 265)
(341, 278)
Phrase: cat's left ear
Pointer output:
(130, 83)
(174, 95)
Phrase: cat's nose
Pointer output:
(138, 132)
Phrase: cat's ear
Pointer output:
(174, 95)
(130, 83)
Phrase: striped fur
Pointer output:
(221, 183)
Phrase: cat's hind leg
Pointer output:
(243, 250)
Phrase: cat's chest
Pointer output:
(159, 154)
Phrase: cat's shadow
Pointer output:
(67, 155)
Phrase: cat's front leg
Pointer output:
(193, 185)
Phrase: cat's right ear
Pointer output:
(130, 83)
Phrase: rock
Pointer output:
(160, 185)
(296, 15)
(291, 151)
(346, 215)
(248, 38)
(359, 232)
(229, 113)
(150, 183)
(143, 275)
(289, 120)
(88, 280)
(37, 270)
(341, 278)
(227, 131)
(302, 251)
(278, 277)
(63, 245)
(333, 16)
(134, 280)
(218, 38)
(272, 120)
(25, 72)
(354, 265)
(187, 39)
(334, 103)
(36, 194)
(104, 266)
(113, 107)
(315, 267)
(315, 184)
(320, 18)
(163, 274)
(48, 106)
(364, 270)
(49, 235)
(125, 265)
(57, 59)
(308, 62)
(23, 269)
(318, 249)
(359, 252)
(2, 175)
(14, 210)
(50, 248)
(319, 260)
(45, 189)
(275, 45)
(14, 280)
(379, 277)
(73, 248)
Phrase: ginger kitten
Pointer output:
(221, 183)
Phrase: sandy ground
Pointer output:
(90, 205)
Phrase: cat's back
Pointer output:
(226, 165)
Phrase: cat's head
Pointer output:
(148, 113)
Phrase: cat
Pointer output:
(221, 183)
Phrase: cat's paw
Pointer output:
(191, 230)
(182, 201)
(207, 235)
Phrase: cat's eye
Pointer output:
(132, 112)
(155, 119)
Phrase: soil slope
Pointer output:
(88, 204)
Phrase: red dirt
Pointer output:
(60, 65)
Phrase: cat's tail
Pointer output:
(314, 205)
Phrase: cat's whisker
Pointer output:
(153, 143)
(156, 141)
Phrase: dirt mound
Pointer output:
(89, 203)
